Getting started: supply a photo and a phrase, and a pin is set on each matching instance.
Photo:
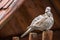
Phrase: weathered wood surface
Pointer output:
(33, 36)
(47, 35)
(7, 9)
(23, 16)
(55, 36)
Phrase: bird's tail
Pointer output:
(29, 30)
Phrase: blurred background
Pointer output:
(25, 13)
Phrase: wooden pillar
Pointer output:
(47, 35)
(33, 36)
(15, 38)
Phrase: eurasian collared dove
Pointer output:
(41, 22)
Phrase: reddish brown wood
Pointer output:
(47, 35)
(23, 16)
(33, 36)
(8, 12)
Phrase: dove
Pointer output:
(41, 22)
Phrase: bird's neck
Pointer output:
(49, 14)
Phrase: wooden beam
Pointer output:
(33, 36)
(47, 35)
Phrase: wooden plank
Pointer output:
(33, 36)
(6, 14)
(47, 35)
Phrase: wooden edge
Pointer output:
(47, 35)
(9, 13)
(33, 36)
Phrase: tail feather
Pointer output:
(29, 30)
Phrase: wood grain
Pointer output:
(47, 35)
(33, 36)
(23, 16)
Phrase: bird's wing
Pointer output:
(38, 18)
(51, 22)
(35, 20)
(47, 24)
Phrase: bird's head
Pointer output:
(48, 11)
